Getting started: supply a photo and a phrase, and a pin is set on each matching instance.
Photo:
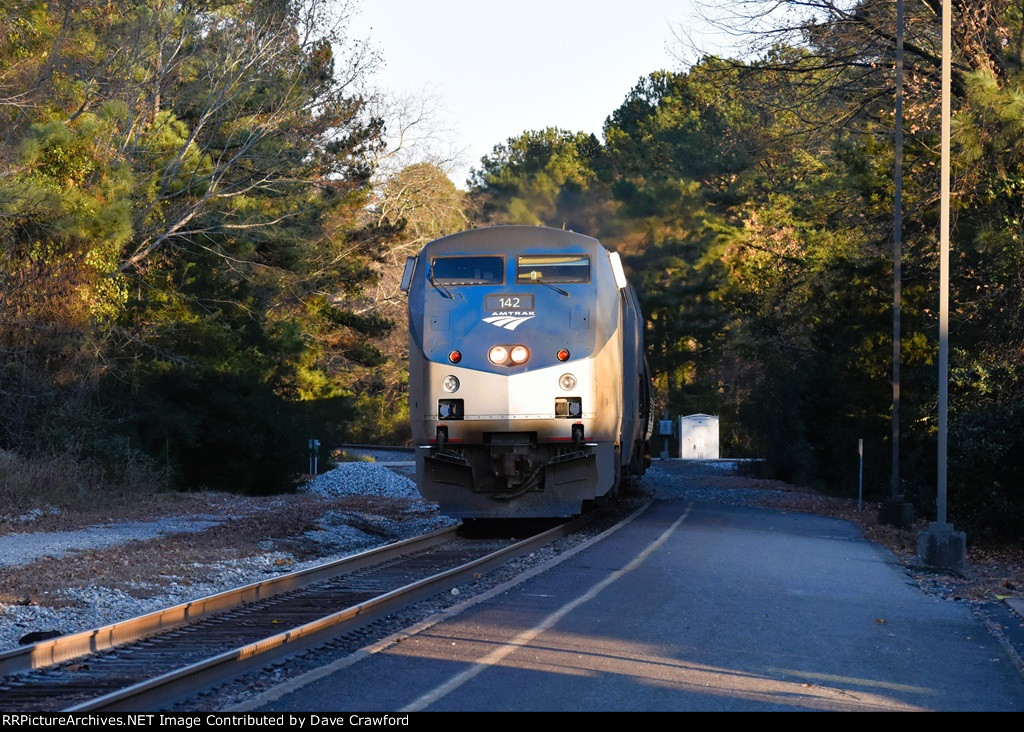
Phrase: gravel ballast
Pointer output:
(335, 534)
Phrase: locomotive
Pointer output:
(529, 389)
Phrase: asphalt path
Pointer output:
(689, 606)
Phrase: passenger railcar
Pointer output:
(529, 391)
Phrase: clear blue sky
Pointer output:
(498, 69)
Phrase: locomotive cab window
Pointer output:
(553, 268)
(468, 270)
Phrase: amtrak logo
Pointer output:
(508, 320)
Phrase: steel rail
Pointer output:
(88, 642)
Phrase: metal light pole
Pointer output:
(944, 267)
(940, 546)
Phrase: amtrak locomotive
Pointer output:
(529, 391)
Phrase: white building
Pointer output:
(698, 437)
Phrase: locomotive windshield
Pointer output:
(553, 268)
(468, 271)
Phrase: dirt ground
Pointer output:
(255, 527)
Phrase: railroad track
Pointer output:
(154, 660)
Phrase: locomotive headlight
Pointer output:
(450, 384)
(498, 355)
(567, 382)
(520, 354)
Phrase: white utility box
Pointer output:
(698, 437)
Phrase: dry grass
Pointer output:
(40, 485)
